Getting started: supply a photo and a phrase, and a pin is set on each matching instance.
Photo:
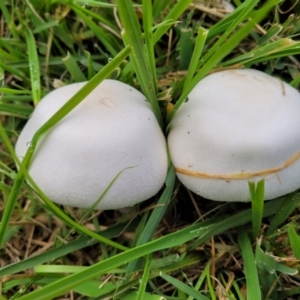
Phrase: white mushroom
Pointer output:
(238, 126)
(223, 4)
(113, 129)
(228, 6)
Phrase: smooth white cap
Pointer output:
(238, 126)
(113, 129)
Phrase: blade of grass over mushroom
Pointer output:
(132, 36)
(224, 50)
(73, 68)
(52, 207)
(203, 231)
(72, 103)
(183, 287)
(257, 192)
(252, 282)
(294, 240)
(289, 204)
(86, 90)
(104, 193)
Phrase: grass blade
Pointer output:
(186, 47)
(253, 288)
(257, 192)
(294, 240)
(34, 68)
(99, 32)
(172, 17)
(201, 279)
(90, 67)
(200, 42)
(149, 45)
(269, 51)
(266, 267)
(73, 68)
(183, 287)
(145, 278)
(132, 36)
(291, 201)
(272, 32)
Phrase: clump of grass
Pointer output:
(175, 246)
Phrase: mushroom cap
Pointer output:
(113, 129)
(238, 126)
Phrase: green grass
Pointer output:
(152, 251)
